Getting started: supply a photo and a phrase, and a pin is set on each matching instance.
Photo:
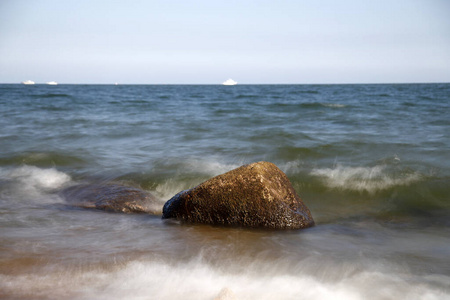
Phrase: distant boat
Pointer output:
(28, 82)
(229, 82)
(52, 83)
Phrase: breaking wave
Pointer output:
(28, 182)
(197, 280)
(364, 179)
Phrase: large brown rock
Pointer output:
(254, 195)
(112, 197)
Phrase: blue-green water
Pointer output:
(372, 162)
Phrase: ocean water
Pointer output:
(372, 162)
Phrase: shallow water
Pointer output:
(370, 161)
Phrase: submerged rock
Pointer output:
(112, 197)
(254, 195)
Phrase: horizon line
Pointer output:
(343, 83)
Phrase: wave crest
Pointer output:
(199, 280)
(364, 179)
(29, 182)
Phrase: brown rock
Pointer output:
(112, 197)
(254, 195)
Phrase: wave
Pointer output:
(32, 183)
(321, 104)
(304, 92)
(409, 103)
(169, 188)
(289, 106)
(196, 279)
(207, 167)
(384, 95)
(247, 96)
(364, 179)
(169, 176)
(42, 159)
(200, 169)
(52, 95)
(44, 179)
(426, 98)
(197, 96)
(291, 153)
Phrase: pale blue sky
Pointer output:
(170, 42)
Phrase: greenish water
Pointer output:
(371, 162)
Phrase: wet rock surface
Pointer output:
(112, 197)
(254, 195)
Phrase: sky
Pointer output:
(209, 41)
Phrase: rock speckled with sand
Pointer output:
(254, 195)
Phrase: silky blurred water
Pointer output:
(371, 162)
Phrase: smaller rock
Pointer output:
(112, 197)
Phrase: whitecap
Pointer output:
(292, 167)
(31, 182)
(205, 168)
(46, 179)
(169, 188)
(208, 167)
(198, 280)
(368, 179)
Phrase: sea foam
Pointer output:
(46, 179)
(368, 179)
(197, 280)
(205, 168)
(30, 181)
(209, 167)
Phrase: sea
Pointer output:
(371, 161)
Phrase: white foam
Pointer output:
(369, 179)
(292, 167)
(209, 167)
(46, 179)
(33, 181)
(197, 280)
(169, 188)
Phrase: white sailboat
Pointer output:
(28, 82)
(229, 82)
(52, 83)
